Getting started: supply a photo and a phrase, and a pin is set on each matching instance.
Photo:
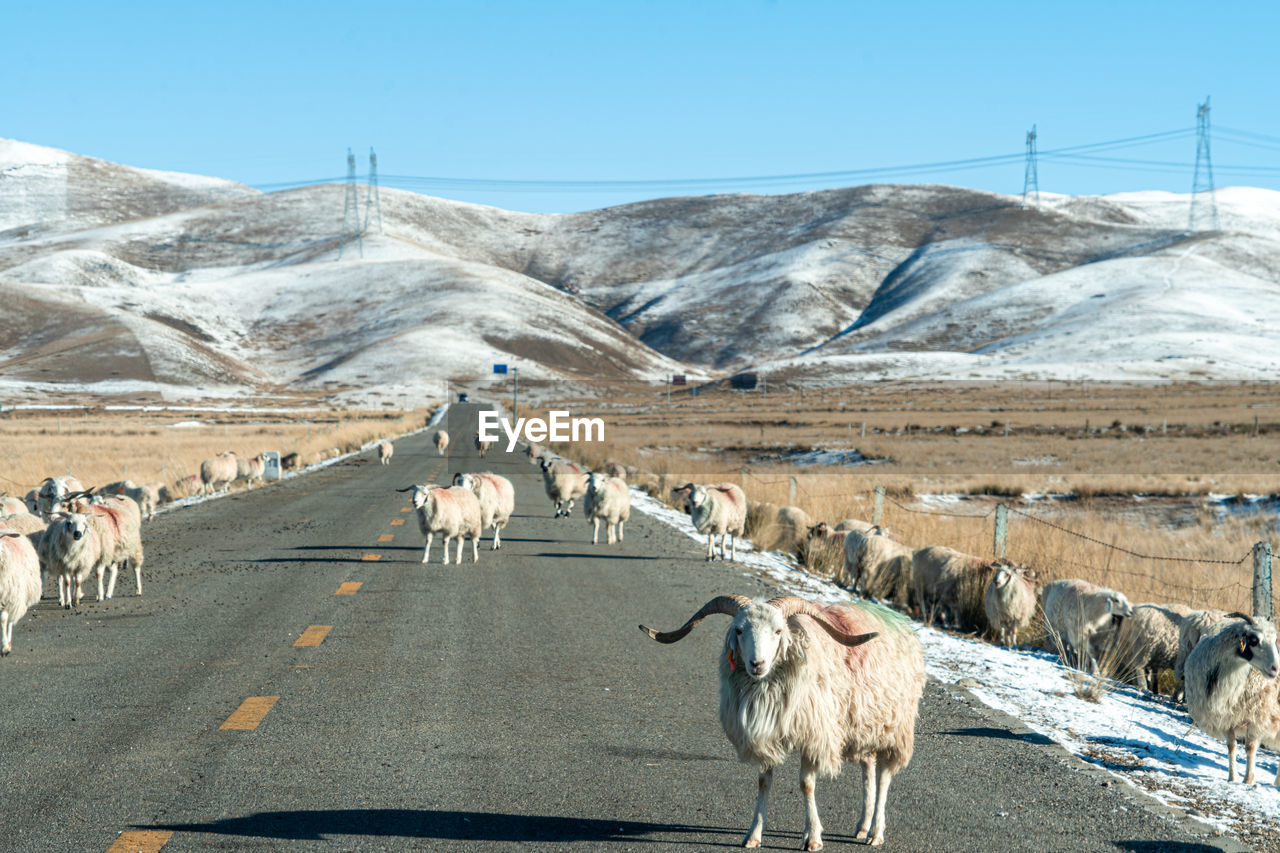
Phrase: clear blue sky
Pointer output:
(268, 92)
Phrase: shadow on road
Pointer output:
(1005, 734)
(451, 825)
(611, 556)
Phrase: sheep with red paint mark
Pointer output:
(20, 582)
(835, 683)
(497, 499)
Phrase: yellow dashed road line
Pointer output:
(140, 841)
(371, 558)
(349, 587)
(386, 537)
(406, 509)
(249, 714)
(396, 522)
(313, 636)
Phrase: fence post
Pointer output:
(999, 542)
(791, 492)
(744, 477)
(1262, 580)
(877, 514)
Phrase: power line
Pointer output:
(1030, 179)
(1199, 184)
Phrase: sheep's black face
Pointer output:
(1258, 646)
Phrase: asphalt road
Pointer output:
(485, 706)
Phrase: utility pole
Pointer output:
(1203, 181)
(1030, 178)
(515, 392)
(350, 208)
(372, 199)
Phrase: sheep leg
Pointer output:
(101, 569)
(710, 552)
(612, 530)
(733, 548)
(137, 574)
(868, 796)
(462, 540)
(111, 581)
(426, 552)
(812, 838)
(762, 804)
(62, 596)
(619, 531)
(6, 633)
(1231, 757)
(497, 540)
(445, 561)
(475, 547)
(884, 777)
(1250, 752)
(595, 531)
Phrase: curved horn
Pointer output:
(410, 489)
(727, 604)
(1238, 614)
(790, 605)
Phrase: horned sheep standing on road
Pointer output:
(54, 492)
(1083, 616)
(609, 500)
(385, 450)
(20, 582)
(451, 512)
(73, 547)
(836, 683)
(497, 499)
(1232, 687)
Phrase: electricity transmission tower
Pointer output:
(1203, 182)
(371, 199)
(351, 208)
(1030, 179)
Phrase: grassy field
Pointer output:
(1093, 446)
(100, 446)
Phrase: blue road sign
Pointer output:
(499, 368)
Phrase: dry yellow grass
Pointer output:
(100, 447)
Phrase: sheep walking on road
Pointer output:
(835, 683)
(453, 512)
(125, 521)
(1232, 687)
(20, 582)
(73, 548)
(54, 492)
(441, 440)
(717, 509)
(609, 500)
(482, 446)
(497, 499)
(564, 481)
(385, 450)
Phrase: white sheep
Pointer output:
(20, 582)
(451, 512)
(482, 446)
(609, 500)
(53, 494)
(32, 500)
(949, 583)
(497, 499)
(146, 496)
(855, 524)
(1146, 643)
(790, 524)
(719, 509)
(564, 481)
(534, 451)
(1010, 603)
(835, 683)
(73, 548)
(12, 506)
(880, 566)
(824, 534)
(1232, 688)
(252, 470)
(1194, 625)
(125, 520)
(218, 472)
(1082, 617)
(385, 451)
(441, 441)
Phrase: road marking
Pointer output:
(371, 558)
(406, 509)
(140, 841)
(396, 522)
(313, 636)
(386, 537)
(249, 714)
(349, 587)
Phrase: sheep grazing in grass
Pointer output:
(385, 451)
(1080, 618)
(855, 524)
(1010, 603)
(1232, 688)
(453, 512)
(564, 481)
(146, 497)
(1194, 625)
(252, 471)
(949, 585)
(218, 473)
(290, 461)
(835, 683)
(497, 499)
(183, 488)
(719, 509)
(53, 494)
(790, 525)
(482, 446)
(20, 582)
(1146, 643)
(823, 533)
(879, 565)
(441, 441)
(609, 500)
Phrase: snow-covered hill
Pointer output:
(116, 275)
